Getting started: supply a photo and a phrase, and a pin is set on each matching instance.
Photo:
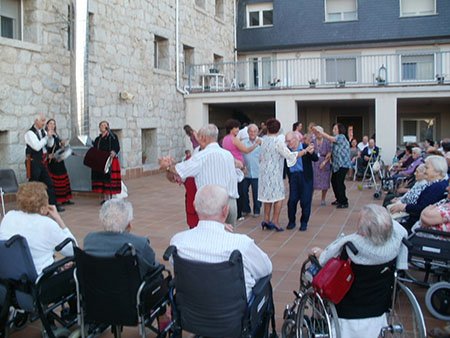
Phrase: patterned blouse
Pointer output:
(341, 153)
(413, 194)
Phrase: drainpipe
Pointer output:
(177, 49)
(235, 30)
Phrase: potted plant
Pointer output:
(213, 70)
(380, 81)
(440, 78)
(312, 83)
(340, 84)
(241, 85)
(274, 82)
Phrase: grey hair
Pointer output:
(115, 215)
(375, 224)
(210, 131)
(252, 126)
(416, 150)
(210, 200)
(421, 168)
(439, 164)
(292, 134)
(320, 129)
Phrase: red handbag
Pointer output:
(334, 280)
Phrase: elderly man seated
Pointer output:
(116, 216)
(210, 241)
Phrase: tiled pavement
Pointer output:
(159, 214)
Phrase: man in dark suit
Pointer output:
(116, 216)
(300, 181)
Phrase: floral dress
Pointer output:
(271, 161)
(322, 176)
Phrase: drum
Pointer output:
(96, 159)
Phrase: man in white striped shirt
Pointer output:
(211, 165)
(210, 242)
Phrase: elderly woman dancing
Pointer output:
(271, 186)
(379, 241)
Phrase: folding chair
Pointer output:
(210, 299)
(8, 184)
(32, 296)
(112, 293)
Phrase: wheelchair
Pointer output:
(26, 296)
(221, 309)
(111, 293)
(429, 253)
(310, 315)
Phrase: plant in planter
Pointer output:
(312, 83)
(213, 71)
(274, 82)
(340, 84)
(241, 85)
(380, 81)
(440, 78)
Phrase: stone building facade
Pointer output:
(131, 49)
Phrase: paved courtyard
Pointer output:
(159, 214)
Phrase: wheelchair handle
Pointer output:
(11, 241)
(433, 232)
(407, 243)
(61, 245)
(314, 260)
(352, 247)
(169, 252)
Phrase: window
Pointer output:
(10, 19)
(161, 50)
(417, 67)
(417, 7)
(219, 9)
(260, 71)
(417, 130)
(188, 55)
(340, 69)
(260, 15)
(341, 10)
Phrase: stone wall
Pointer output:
(35, 72)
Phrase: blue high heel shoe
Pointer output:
(267, 225)
(275, 227)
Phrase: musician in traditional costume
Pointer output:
(57, 168)
(37, 139)
(107, 183)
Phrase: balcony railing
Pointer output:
(322, 72)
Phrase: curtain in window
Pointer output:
(411, 7)
(418, 67)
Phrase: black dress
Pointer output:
(58, 174)
(109, 183)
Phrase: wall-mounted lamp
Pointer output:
(126, 96)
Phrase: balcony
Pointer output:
(265, 73)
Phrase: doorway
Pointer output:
(352, 121)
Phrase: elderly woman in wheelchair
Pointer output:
(368, 306)
(32, 283)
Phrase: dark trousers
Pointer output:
(39, 173)
(301, 190)
(240, 200)
(253, 182)
(338, 184)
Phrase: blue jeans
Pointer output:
(246, 200)
(301, 190)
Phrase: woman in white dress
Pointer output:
(271, 190)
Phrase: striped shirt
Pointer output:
(209, 242)
(212, 165)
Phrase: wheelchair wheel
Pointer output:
(407, 313)
(437, 300)
(316, 317)
(377, 195)
(288, 329)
